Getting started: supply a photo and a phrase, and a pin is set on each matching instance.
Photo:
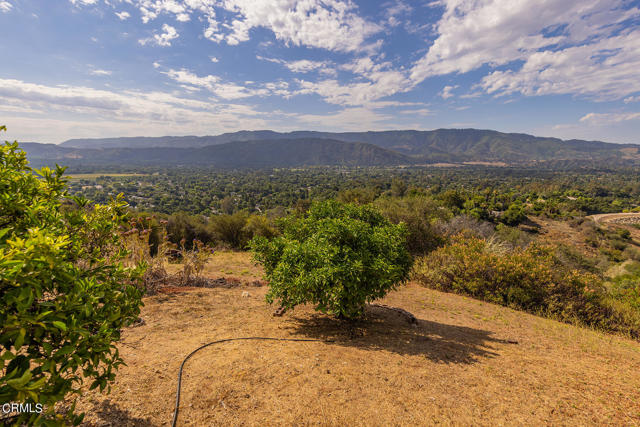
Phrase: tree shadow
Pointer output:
(384, 329)
(110, 414)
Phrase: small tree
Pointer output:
(64, 293)
(338, 257)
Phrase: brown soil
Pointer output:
(458, 366)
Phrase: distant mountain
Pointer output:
(442, 145)
(239, 154)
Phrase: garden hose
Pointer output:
(175, 412)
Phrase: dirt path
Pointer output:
(634, 217)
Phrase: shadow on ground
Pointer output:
(110, 414)
(384, 329)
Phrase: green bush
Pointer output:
(419, 215)
(530, 279)
(338, 257)
(514, 215)
(230, 229)
(64, 293)
(183, 229)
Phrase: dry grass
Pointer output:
(458, 366)
(227, 264)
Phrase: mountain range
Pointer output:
(256, 149)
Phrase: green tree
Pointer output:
(64, 292)
(338, 257)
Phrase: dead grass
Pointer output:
(456, 367)
(227, 264)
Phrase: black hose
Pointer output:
(175, 412)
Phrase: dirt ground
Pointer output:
(465, 363)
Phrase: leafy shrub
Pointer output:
(626, 286)
(360, 196)
(419, 215)
(260, 225)
(530, 279)
(624, 234)
(64, 293)
(514, 215)
(182, 227)
(230, 229)
(338, 257)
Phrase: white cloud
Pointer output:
(123, 15)
(446, 92)
(162, 39)
(557, 47)
(5, 6)
(83, 2)
(214, 59)
(632, 99)
(393, 10)
(98, 72)
(605, 70)
(600, 119)
(374, 81)
(328, 24)
(228, 90)
(36, 112)
(303, 65)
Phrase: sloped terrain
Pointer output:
(466, 362)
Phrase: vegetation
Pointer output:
(532, 279)
(64, 292)
(338, 257)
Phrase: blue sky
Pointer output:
(105, 68)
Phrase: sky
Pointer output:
(109, 68)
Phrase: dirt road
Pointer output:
(626, 217)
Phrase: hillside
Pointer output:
(442, 145)
(242, 154)
(467, 362)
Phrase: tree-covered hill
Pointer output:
(303, 148)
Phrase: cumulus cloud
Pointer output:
(5, 6)
(124, 15)
(163, 39)
(550, 51)
(328, 24)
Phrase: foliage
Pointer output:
(230, 229)
(64, 293)
(514, 215)
(626, 286)
(530, 279)
(419, 214)
(338, 257)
